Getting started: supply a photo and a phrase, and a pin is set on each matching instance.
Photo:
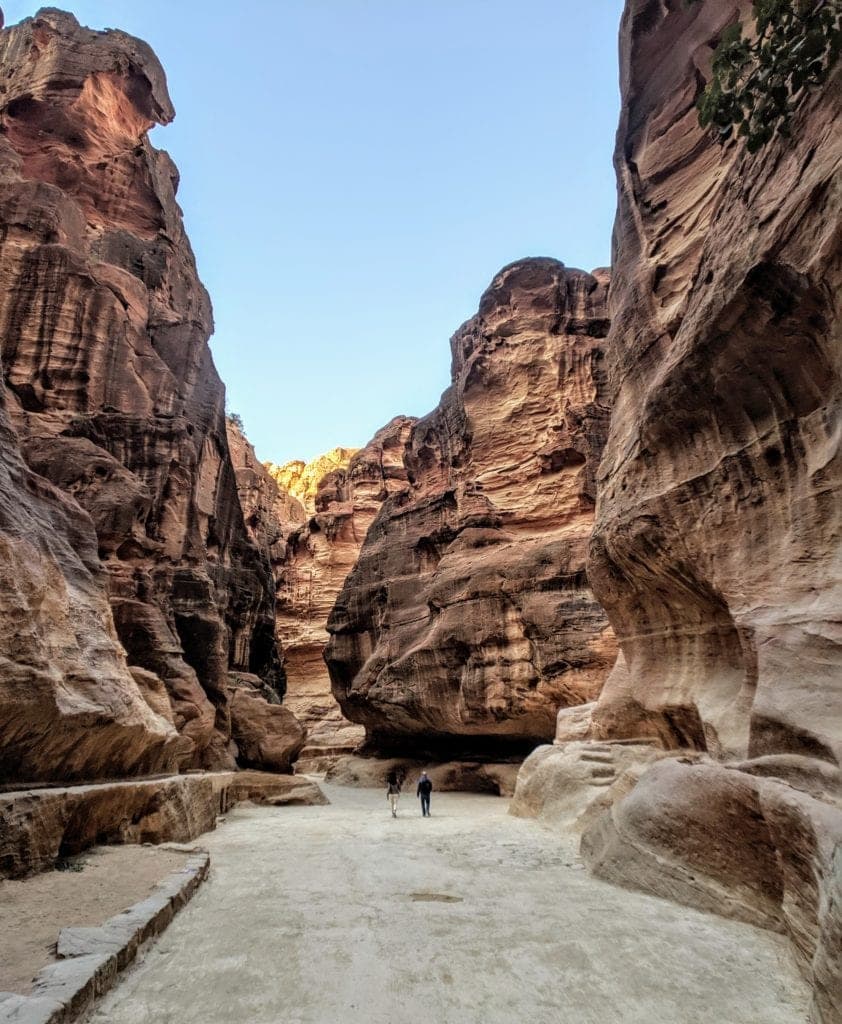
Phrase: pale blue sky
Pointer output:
(354, 172)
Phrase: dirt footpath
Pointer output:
(99, 883)
(322, 915)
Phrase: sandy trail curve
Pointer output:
(343, 915)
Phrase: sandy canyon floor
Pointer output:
(32, 912)
(322, 915)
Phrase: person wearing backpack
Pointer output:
(423, 790)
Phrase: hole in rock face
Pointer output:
(138, 638)
(562, 458)
(773, 456)
(27, 396)
(684, 727)
(428, 555)
(23, 106)
(263, 657)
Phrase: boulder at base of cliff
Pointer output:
(268, 736)
(743, 845)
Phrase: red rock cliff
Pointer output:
(320, 553)
(109, 377)
(468, 620)
(312, 518)
(716, 550)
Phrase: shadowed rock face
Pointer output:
(109, 378)
(716, 549)
(68, 702)
(467, 620)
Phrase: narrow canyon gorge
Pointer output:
(467, 620)
(606, 564)
(310, 519)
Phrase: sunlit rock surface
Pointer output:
(302, 479)
(468, 619)
(111, 386)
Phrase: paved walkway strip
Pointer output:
(342, 914)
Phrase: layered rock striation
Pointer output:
(68, 701)
(468, 619)
(320, 553)
(716, 549)
(110, 385)
(311, 519)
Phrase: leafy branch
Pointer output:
(758, 79)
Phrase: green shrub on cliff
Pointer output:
(759, 78)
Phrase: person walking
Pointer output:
(393, 792)
(423, 789)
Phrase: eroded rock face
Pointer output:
(467, 620)
(68, 701)
(310, 520)
(564, 785)
(320, 553)
(111, 386)
(717, 542)
(39, 826)
(729, 840)
(716, 549)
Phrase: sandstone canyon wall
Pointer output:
(311, 520)
(716, 549)
(68, 701)
(320, 553)
(300, 479)
(110, 386)
(468, 619)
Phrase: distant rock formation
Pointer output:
(311, 519)
(301, 479)
(111, 387)
(319, 555)
(468, 620)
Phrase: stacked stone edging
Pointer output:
(90, 959)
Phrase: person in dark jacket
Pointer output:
(424, 788)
